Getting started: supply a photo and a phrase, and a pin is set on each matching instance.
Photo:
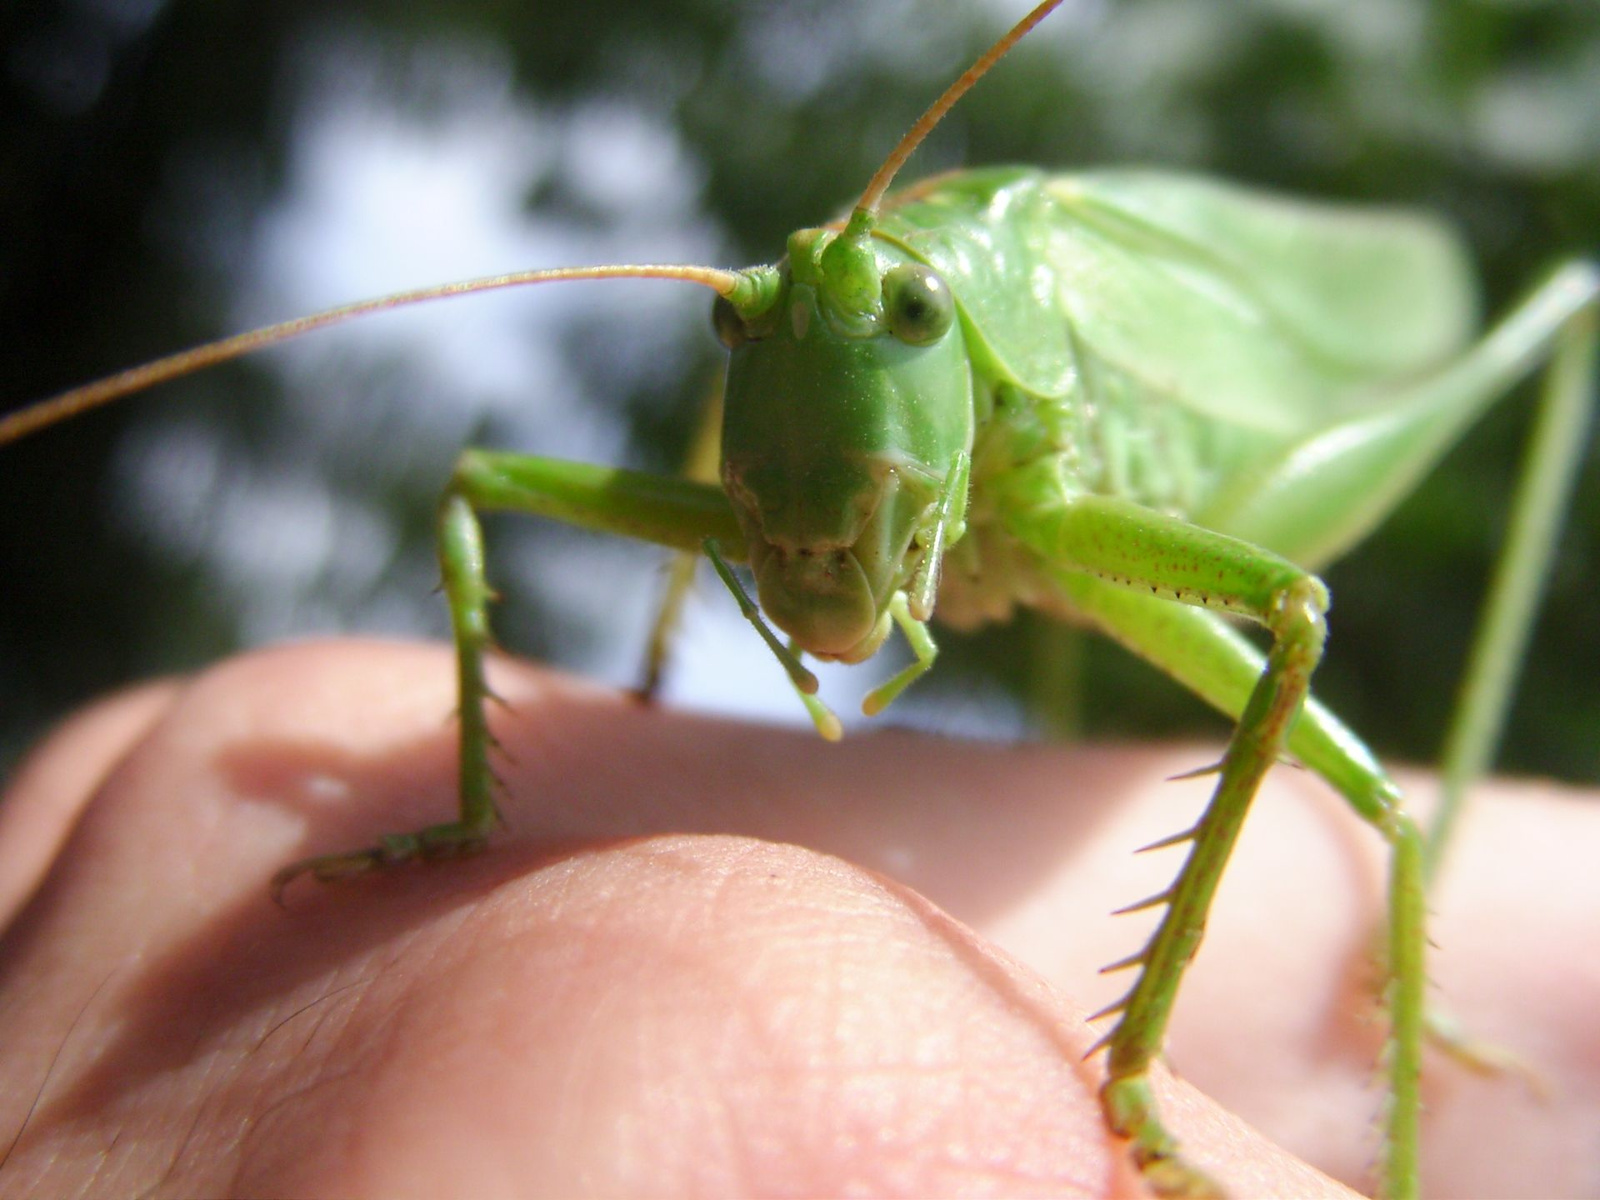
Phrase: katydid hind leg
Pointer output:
(1547, 476)
(1323, 494)
(1319, 496)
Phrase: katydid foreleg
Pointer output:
(672, 512)
(461, 558)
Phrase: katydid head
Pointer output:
(847, 424)
(848, 419)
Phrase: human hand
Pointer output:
(718, 958)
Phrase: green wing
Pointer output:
(1254, 311)
(1366, 293)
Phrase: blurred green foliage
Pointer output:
(143, 145)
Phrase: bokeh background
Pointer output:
(173, 171)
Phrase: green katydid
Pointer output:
(1132, 400)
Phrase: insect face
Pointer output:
(843, 436)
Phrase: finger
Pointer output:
(313, 748)
(167, 876)
(694, 1015)
(699, 1015)
(1516, 913)
(56, 781)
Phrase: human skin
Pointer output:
(714, 958)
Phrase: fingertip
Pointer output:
(714, 1014)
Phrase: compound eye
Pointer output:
(917, 304)
(725, 319)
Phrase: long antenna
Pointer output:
(103, 391)
(879, 184)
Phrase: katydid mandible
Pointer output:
(1136, 401)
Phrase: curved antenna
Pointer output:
(879, 184)
(102, 391)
